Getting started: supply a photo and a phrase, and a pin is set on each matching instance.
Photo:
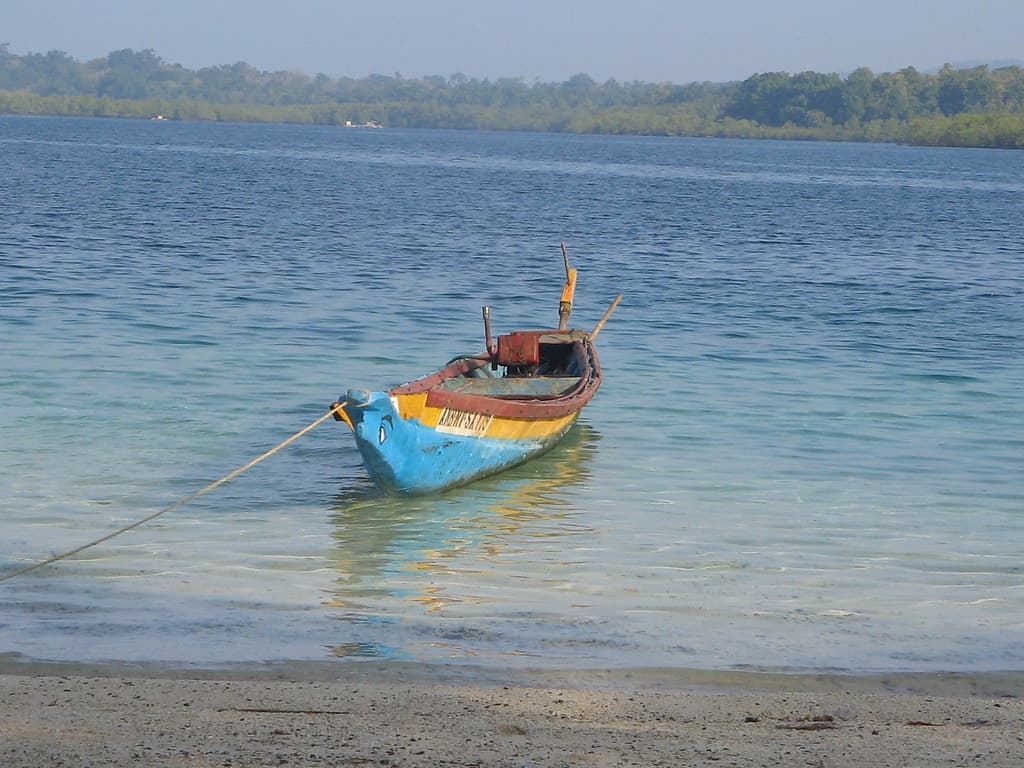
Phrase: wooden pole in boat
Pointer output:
(491, 351)
(568, 290)
(605, 316)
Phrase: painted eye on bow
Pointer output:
(385, 429)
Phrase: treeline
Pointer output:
(966, 107)
(813, 100)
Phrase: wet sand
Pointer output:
(407, 715)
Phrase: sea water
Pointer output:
(808, 451)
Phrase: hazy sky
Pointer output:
(549, 40)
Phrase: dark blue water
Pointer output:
(807, 452)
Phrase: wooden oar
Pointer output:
(604, 318)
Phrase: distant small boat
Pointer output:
(479, 414)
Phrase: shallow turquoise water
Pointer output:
(807, 452)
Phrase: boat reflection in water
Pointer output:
(407, 564)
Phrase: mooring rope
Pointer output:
(181, 502)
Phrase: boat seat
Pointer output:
(512, 387)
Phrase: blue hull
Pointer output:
(404, 456)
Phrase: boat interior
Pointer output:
(537, 365)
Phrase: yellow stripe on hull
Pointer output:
(498, 427)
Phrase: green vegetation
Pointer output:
(975, 107)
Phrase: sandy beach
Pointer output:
(396, 715)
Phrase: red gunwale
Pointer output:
(526, 408)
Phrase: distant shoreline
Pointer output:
(702, 114)
(952, 126)
(967, 107)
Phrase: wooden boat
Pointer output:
(479, 414)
